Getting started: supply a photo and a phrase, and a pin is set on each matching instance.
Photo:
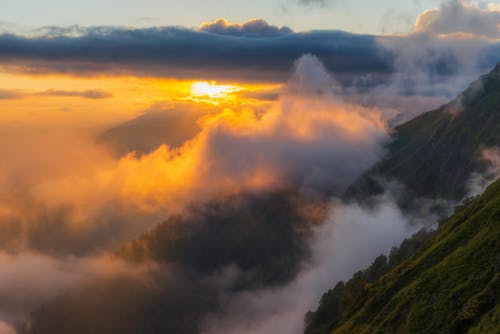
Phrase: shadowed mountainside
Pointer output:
(148, 131)
(233, 244)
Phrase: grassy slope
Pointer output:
(434, 154)
(452, 285)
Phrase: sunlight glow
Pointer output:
(211, 90)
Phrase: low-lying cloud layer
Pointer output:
(29, 280)
(308, 145)
(310, 138)
(94, 94)
(349, 240)
(250, 236)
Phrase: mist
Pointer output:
(478, 182)
(448, 47)
(29, 280)
(349, 239)
(226, 220)
(91, 200)
(281, 164)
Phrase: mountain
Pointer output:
(441, 282)
(230, 245)
(450, 285)
(434, 154)
(148, 131)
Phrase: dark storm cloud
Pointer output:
(177, 52)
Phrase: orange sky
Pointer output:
(127, 97)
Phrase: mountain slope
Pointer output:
(148, 131)
(435, 153)
(452, 285)
(229, 245)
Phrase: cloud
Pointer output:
(192, 272)
(320, 3)
(251, 28)
(407, 73)
(9, 94)
(244, 184)
(312, 141)
(461, 17)
(234, 287)
(12, 94)
(45, 204)
(478, 182)
(299, 141)
(288, 5)
(86, 94)
(428, 71)
(87, 199)
(313, 137)
(493, 7)
(250, 183)
(349, 240)
(56, 31)
(411, 73)
(262, 95)
(177, 52)
(29, 280)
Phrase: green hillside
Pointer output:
(451, 285)
(434, 154)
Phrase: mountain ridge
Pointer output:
(450, 285)
(434, 154)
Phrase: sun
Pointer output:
(212, 90)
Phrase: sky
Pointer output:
(123, 57)
(362, 16)
(117, 115)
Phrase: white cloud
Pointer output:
(461, 17)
